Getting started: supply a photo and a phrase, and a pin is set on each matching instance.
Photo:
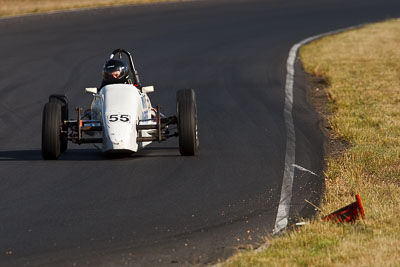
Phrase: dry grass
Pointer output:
(362, 68)
(16, 7)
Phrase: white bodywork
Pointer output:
(120, 108)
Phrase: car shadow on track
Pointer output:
(36, 154)
(87, 154)
(20, 155)
(148, 152)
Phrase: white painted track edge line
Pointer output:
(282, 216)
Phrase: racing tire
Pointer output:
(51, 131)
(186, 111)
(63, 101)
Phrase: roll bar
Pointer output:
(135, 73)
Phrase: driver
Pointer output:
(115, 71)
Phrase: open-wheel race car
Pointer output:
(121, 117)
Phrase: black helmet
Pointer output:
(115, 71)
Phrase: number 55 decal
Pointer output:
(116, 117)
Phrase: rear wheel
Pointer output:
(51, 131)
(187, 122)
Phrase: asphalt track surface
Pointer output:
(156, 207)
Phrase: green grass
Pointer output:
(362, 71)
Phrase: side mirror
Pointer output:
(148, 89)
(91, 90)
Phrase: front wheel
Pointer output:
(51, 131)
(187, 122)
(63, 101)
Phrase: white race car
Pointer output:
(121, 118)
